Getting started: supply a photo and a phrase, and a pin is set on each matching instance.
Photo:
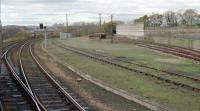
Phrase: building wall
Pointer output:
(64, 35)
(136, 29)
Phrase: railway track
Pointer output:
(42, 92)
(15, 96)
(49, 92)
(112, 58)
(179, 48)
(168, 77)
(177, 51)
(12, 97)
(174, 50)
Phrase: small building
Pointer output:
(40, 32)
(164, 22)
(64, 35)
(97, 36)
(136, 29)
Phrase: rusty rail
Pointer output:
(134, 70)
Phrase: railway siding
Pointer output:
(175, 81)
(43, 89)
(126, 80)
(177, 76)
(138, 55)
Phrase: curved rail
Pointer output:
(61, 89)
(25, 78)
(11, 45)
(19, 81)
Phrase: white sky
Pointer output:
(32, 12)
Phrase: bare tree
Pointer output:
(180, 18)
(189, 16)
(154, 20)
(170, 18)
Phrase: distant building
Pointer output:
(129, 30)
(164, 22)
(64, 35)
(40, 32)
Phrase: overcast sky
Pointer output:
(32, 12)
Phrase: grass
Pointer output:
(179, 99)
(183, 42)
(106, 97)
(137, 55)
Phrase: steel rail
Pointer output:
(174, 50)
(180, 54)
(61, 89)
(26, 80)
(168, 46)
(19, 81)
(21, 68)
(1, 106)
(178, 48)
(39, 74)
(140, 65)
(135, 70)
(2, 56)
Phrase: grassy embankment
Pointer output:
(180, 99)
(138, 55)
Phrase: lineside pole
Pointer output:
(100, 22)
(111, 22)
(67, 23)
(45, 37)
(1, 37)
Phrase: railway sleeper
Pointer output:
(137, 71)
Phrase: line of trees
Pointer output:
(86, 28)
(106, 27)
(188, 17)
(12, 31)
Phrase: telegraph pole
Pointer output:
(1, 37)
(111, 28)
(67, 22)
(45, 37)
(100, 22)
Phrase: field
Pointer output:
(155, 90)
(138, 55)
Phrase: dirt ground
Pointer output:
(95, 100)
(171, 61)
(59, 73)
